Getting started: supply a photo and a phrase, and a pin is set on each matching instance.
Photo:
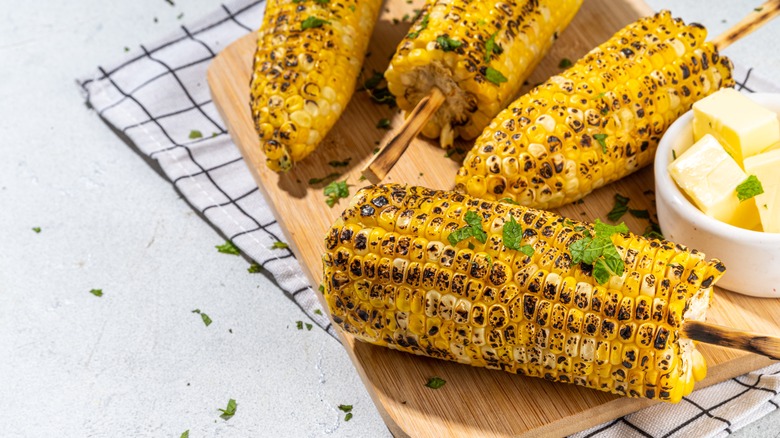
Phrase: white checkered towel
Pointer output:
(158, 98)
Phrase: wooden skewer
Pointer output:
(763, 13)
(376, 169)
(732, 338)
(386, 158)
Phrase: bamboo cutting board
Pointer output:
(475, 401)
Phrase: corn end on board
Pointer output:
(475, 401)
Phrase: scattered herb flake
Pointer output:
(376, 150)
(348, 416)
(317, 312)
(565, 63)
(185, 434)
(335, 191)
(280, 245)
(619, 209)
(37, 229)
(601, 95)
(472, 229)
(601, 138)
(312, 22)
(494, 76)
(321, 288)
(420, 28)
(180, 16)
(254, 268)
(195, 134)
(435, 382)
(758, 9)
(203, 316)
(127, 49)
(447, 44)
(345, 408)
(749, 188)
(299, 325)
(383, 123)
(228, 412)
(308, 326)
(639, 214)
(508, 201)
(336, 163)
(97, 292)
(362, 178)
(228, 248)
(491, 48)
(328, 177)
(373, 81)
(481, 22)
(674, 155)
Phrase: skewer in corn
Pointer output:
(309, 54)
(495, 285)
(462, 62)
(601, 119)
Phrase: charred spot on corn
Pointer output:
(394, 279)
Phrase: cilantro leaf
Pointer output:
(639, 214)
(336, 163)
(195, 134)
(527, 250)
(185, 434)
(280, 245)
(749, 188)
(599, 251)
(203, 316)
(312, 22)
(228, 248)
(435, 382)
(601, 138)
(345, 408)
(494, 76)
(97, 292)
(383, 123)
(348, 416)
(423, 25)
(308, 326)
(299, 325)
(472, 229)
(459, 235)
(447, 44)
(335, 191)
(37, 229)
(317, 312)
(609, 230)
(373, 81)
(229, 411)
(565, 63)
(619, 209)
(492, 48)
(512, 234)
(327, 177)
(254, 268)
(508, 201)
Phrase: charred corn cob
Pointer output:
(393, 276)
(308, 58)
(598, 121)
(477, 53)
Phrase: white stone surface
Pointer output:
(137, 362)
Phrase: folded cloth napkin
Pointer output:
(158, 98)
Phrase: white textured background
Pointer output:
(72, 364)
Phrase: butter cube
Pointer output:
(766, 167)
(709, 176)
(743, 127)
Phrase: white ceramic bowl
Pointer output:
(752, 258)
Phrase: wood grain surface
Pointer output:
(475, 401)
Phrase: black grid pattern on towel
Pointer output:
(158, 97)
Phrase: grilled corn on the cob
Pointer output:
(478, 53)
(598, 121)
(308, 57)
(391, 278)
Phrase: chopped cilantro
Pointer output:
(185, 434)
(423, 24)
(376, 150)
(601, 138)
(37, 229)
(435, 382)
(362, 178)
(335, 191)
(254, 268)
(508, 201)
(336, 163)
(348, 416)
(447, 44)
(619, 209)
(311, 22)
(280, 245)
(195, 134)
(299, 325)
(308, 326)
(599, 251)
(758, 9)
(494, 76)
(674, 155)
(491, 48)
(472, 229)
(565, 63)
(383, 123)
(203, 316)
(228, 248)
(127, 49)
(481, 22)
(352, 8)
(512, 236)
(327, 177)
(373, 81)
(321, 288)
(317, 312)
(97, 292)
(639, 214)
(749, 188)
(228, 412)
(345, 408)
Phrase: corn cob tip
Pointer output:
(394, 277)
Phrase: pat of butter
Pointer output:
(766, 167)
(743, 127)
(709, 176)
